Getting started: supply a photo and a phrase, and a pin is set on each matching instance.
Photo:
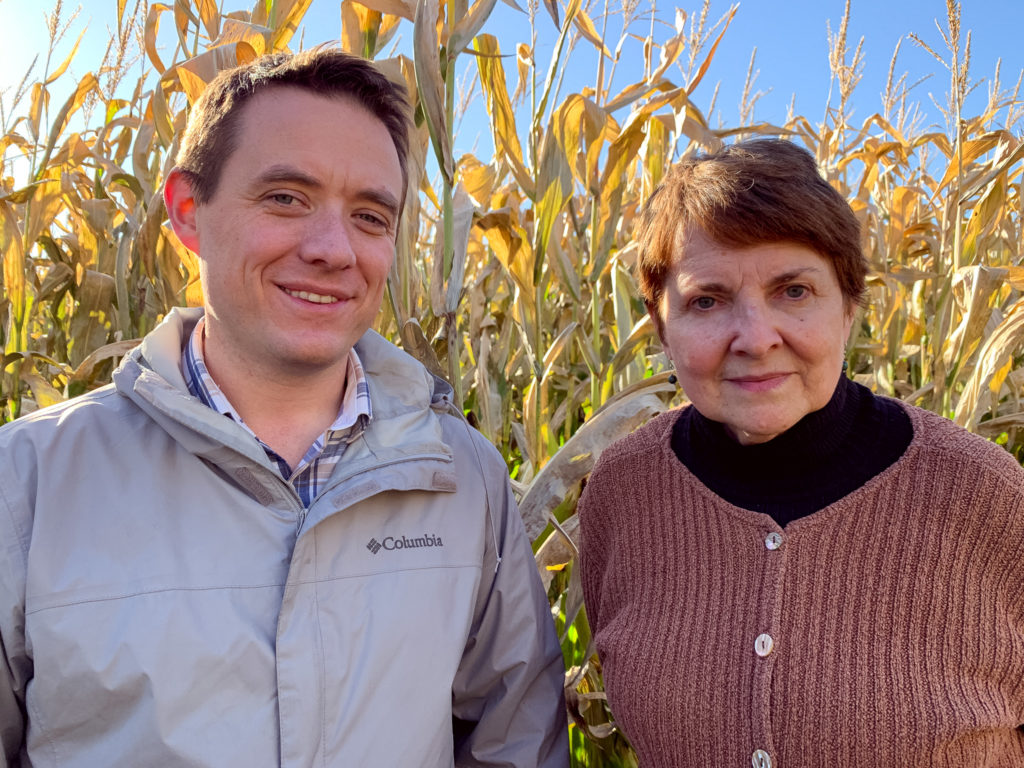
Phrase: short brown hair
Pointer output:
(212, 130)
(750, 193)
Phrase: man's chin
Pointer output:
(299, 360)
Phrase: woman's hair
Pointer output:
(747, 194)
(212, 131)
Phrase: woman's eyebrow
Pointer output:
(709, 287)
(794, 274)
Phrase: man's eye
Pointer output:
(374, 220)
(704, 302)
(796, 291)
(283, 198)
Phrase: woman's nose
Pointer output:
(755, 331)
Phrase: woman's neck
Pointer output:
(824, 457)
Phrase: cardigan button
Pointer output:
(764, 645)
(773, 541)
(760, 759)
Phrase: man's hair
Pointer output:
(212, 132)
(750, 193)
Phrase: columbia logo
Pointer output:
(403, 542)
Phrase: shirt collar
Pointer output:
(355, 410)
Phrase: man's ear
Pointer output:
(181, 209)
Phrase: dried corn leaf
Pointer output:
(1004, 342)
(12, 242)
(40, 100)
(44, 393)
(195, 73)
(192, 83)
(429, 83)
(973, 290)
(183, 17)
(189, 261)
(285, 21)
(506, 240)
(90, 325)
(972, 150)
(46, 204)
(586, 28)
(210, 17)
(467, 27)
(462, 222)
(703, 68)
(64, 64)
(415, 343)
(561, 545)
(1000, 167)
(359, 26)
(406, 9)
(499, 108)
(576, 457)
(477, 179)
(235, 31)
(118, 349)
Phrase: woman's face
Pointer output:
(756, 334)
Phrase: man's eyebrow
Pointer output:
(381, 197)
(278, 173)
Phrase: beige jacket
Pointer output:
(165, 600)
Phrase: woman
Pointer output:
(793, 572)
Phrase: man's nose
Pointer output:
(328, 240)
(755, 329)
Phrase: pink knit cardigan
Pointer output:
(886, 630)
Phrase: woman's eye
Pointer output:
(704, 302)
(796, 291)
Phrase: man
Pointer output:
(273, 540)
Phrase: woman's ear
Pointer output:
(851, 310)
(181, 209)
(659, 328)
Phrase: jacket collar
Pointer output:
(405, 398)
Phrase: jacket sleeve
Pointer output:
(15, 666)
(508, 704)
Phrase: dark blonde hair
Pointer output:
(747, 194)
(212, 132)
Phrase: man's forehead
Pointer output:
(284, 139)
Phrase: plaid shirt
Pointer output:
(321, 457)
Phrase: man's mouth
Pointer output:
(316, 298)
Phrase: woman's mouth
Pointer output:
(761, 383)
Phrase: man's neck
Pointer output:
(285, 409)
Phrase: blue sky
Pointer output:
(790, 37)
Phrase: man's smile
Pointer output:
(316, 298)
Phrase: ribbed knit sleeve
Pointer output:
(885, 630)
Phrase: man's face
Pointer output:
(296, 242)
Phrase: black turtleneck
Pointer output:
(822, 458)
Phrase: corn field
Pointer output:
(512, 275)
